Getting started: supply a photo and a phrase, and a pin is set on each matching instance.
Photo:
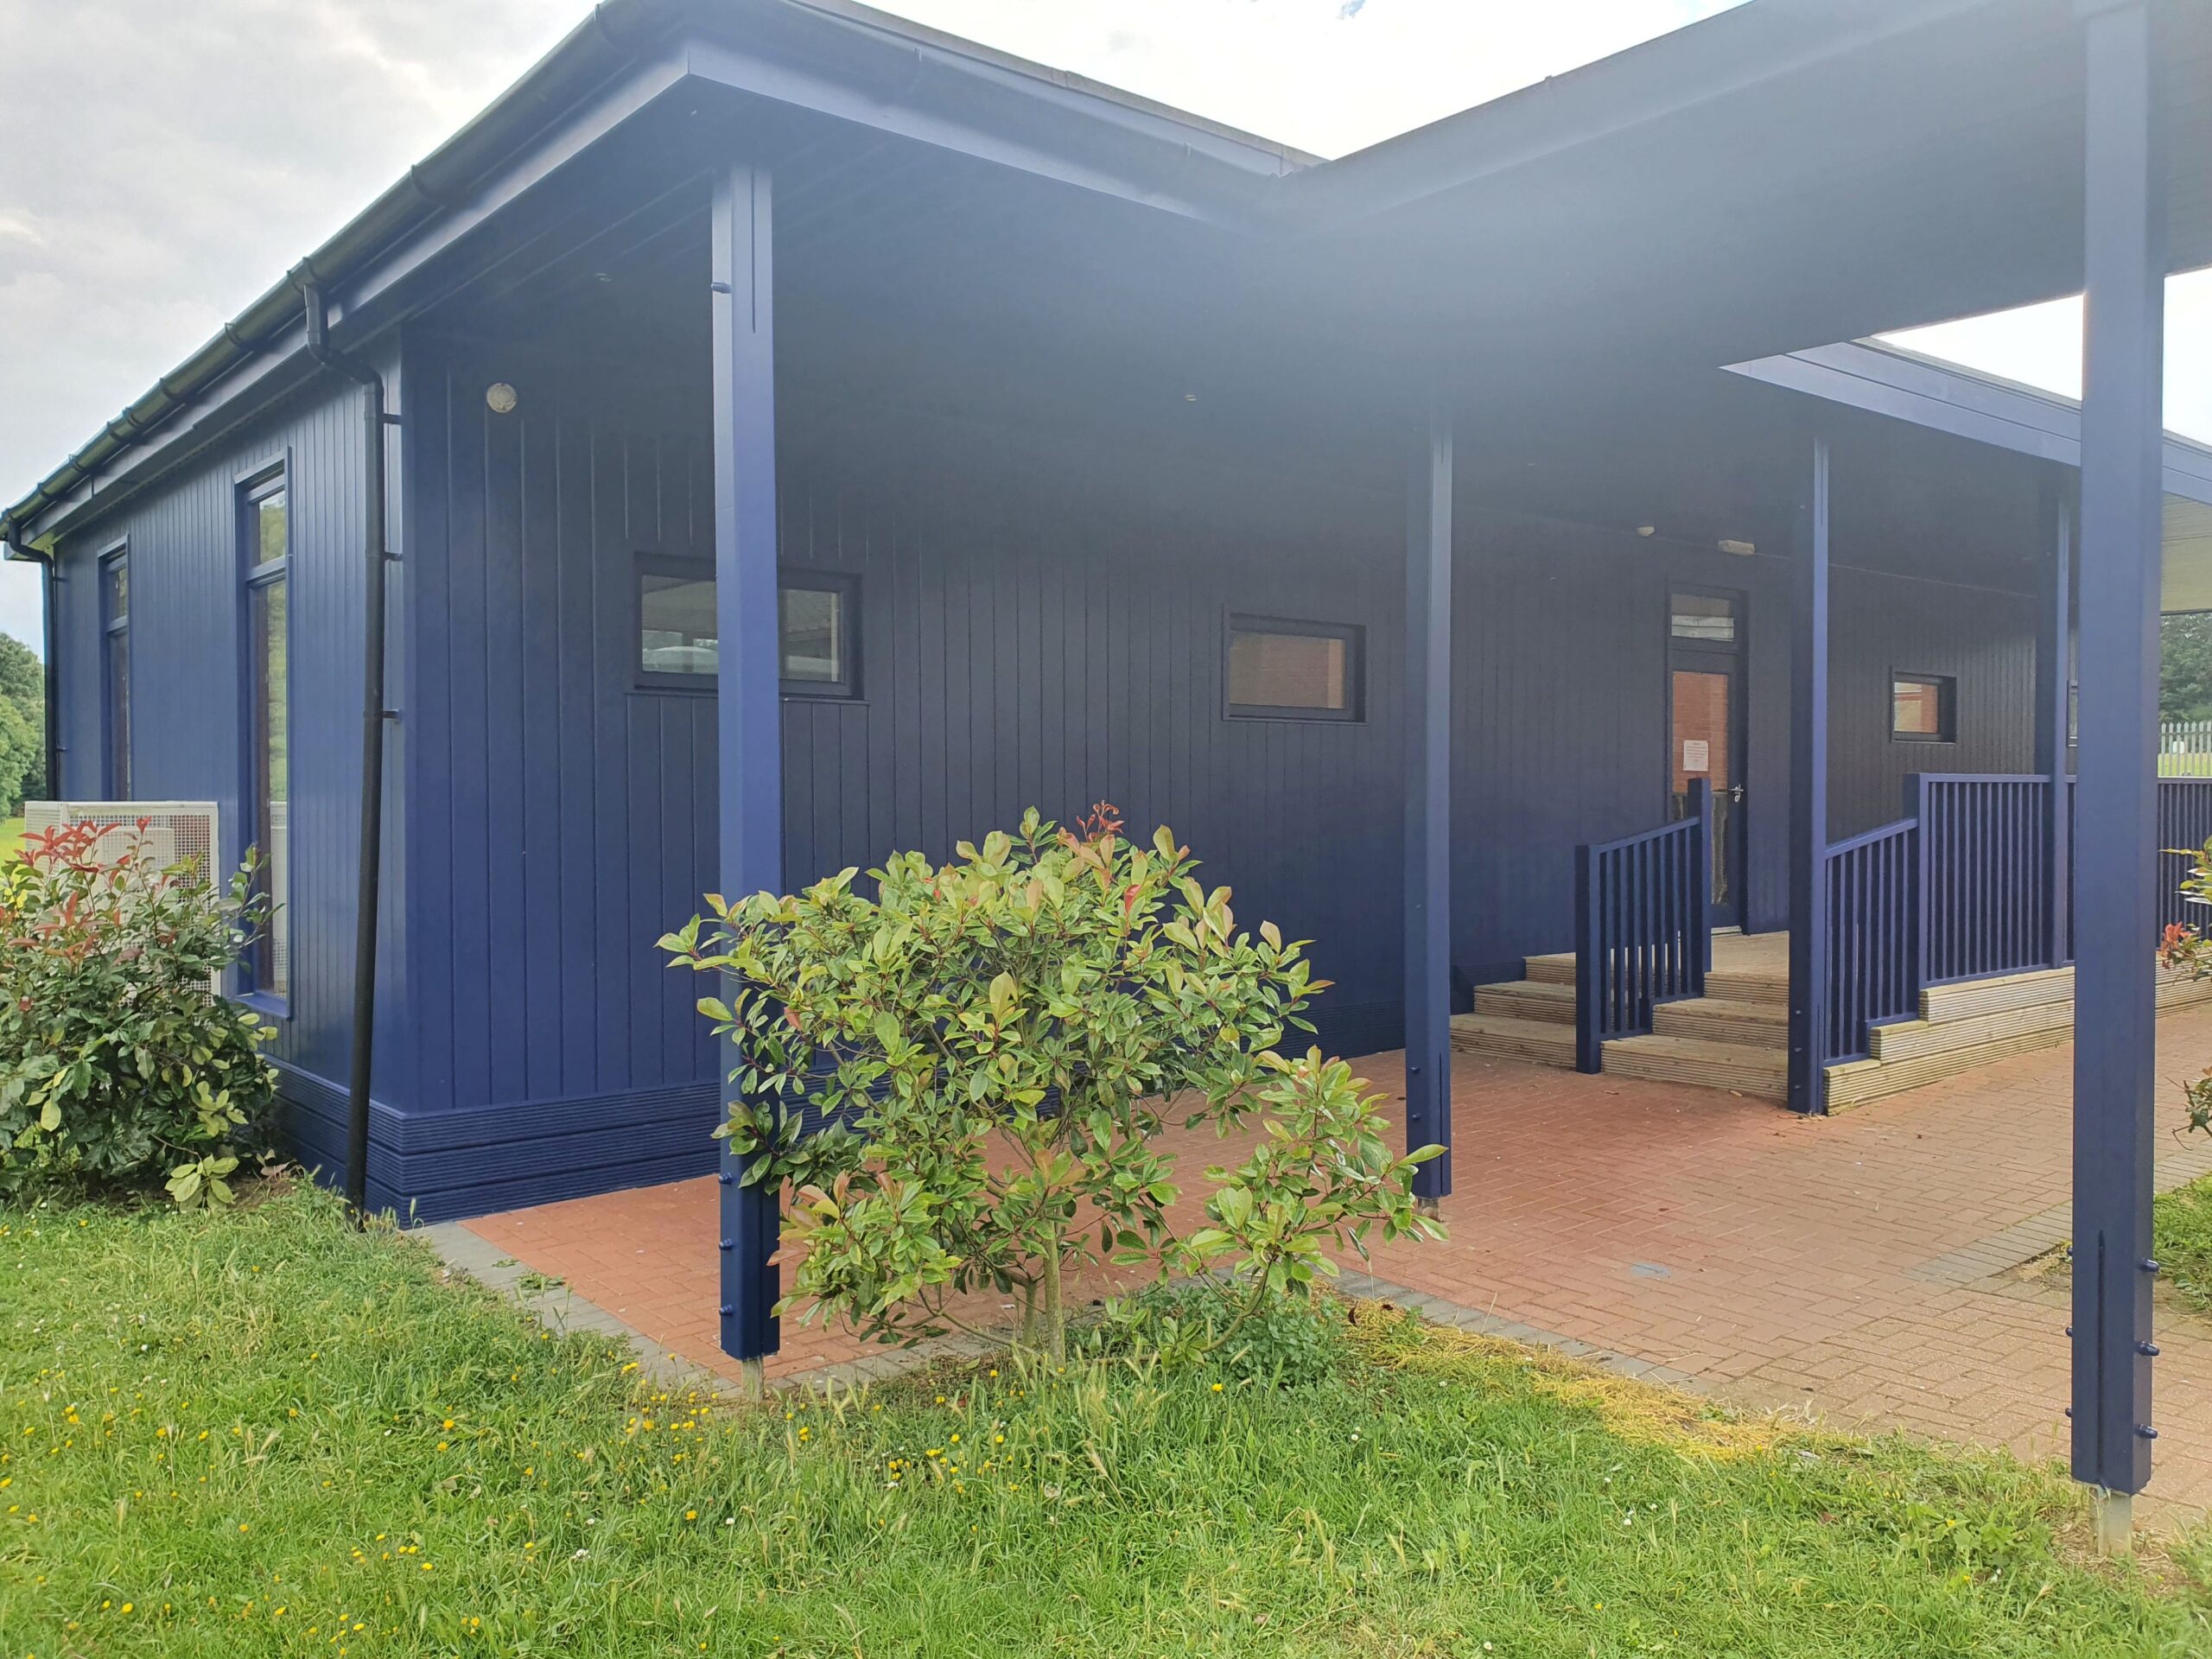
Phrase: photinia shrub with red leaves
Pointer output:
(993, 1048)
(117, 1066)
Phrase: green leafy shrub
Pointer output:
(116, 1063)
(997, 1044)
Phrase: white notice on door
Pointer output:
(1697, 754)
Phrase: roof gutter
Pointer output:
(606, 40)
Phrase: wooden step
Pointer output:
(1910, 1040)
(2178, 990)
(1972, 998)
(1555, 969)
(1762, 1073)
(1522, 999)
(1712, 1018)
(1748, 985)
(1856, 1082)
(1544, 1041)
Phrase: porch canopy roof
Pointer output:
(1786, 174)
(1944, 397)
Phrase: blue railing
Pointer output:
(1874, 935)
(1958, 888)
(1643, 926)
(2184, 824)
(1985, 849)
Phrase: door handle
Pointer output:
(1736, 794)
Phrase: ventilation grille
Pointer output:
(176, 832)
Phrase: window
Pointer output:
(677, 633)
(1708, 618)
(1923, 708)
(114, 673)
(264, 537)
(1293, 671)
(679, 638)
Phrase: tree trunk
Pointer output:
(1056, 1326)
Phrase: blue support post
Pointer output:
(2053, 708)
(2116, 863)
(1809, 793)
(1429, 802)
(748, 712)
(1699, 941)
(1589, 966)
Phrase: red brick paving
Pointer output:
(1770, 1257)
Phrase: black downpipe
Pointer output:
(373, 722)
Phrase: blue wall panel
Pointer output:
(188, 698)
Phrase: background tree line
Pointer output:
(22, 726)
(2185, 667)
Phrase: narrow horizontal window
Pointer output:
(817, 629)
(1281, 670)
(1708, 616)
(1923, 708)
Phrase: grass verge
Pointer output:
(263, 1434)
(2181, 1234)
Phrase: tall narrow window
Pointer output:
(114, 673)
(265, 538)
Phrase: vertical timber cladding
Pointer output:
(1040, 624)
(189, 699)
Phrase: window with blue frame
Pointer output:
(265, 546)
(115, 674)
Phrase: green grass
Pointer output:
(11, 836)
(2181, 1234)
(261, 1434)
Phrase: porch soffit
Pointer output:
(1941, 397)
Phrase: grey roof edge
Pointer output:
(1945, 397)
(615, 35)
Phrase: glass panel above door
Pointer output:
(1709, 618)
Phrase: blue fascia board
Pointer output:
(1946, 397)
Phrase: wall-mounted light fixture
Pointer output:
(1741, 550)
(499, 397)
(1647, 530)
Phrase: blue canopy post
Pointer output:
(748, 697)
(1808, 792)
(2116, 865)
(1429, 802)
(2054, 718)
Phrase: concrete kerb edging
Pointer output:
(561, 1309)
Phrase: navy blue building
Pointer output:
(803, 436)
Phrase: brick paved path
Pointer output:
(1864, 1268)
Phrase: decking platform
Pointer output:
(1736, 1036)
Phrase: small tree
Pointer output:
(988, 1052)
(117, 1064)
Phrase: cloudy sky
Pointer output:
(165, 163)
